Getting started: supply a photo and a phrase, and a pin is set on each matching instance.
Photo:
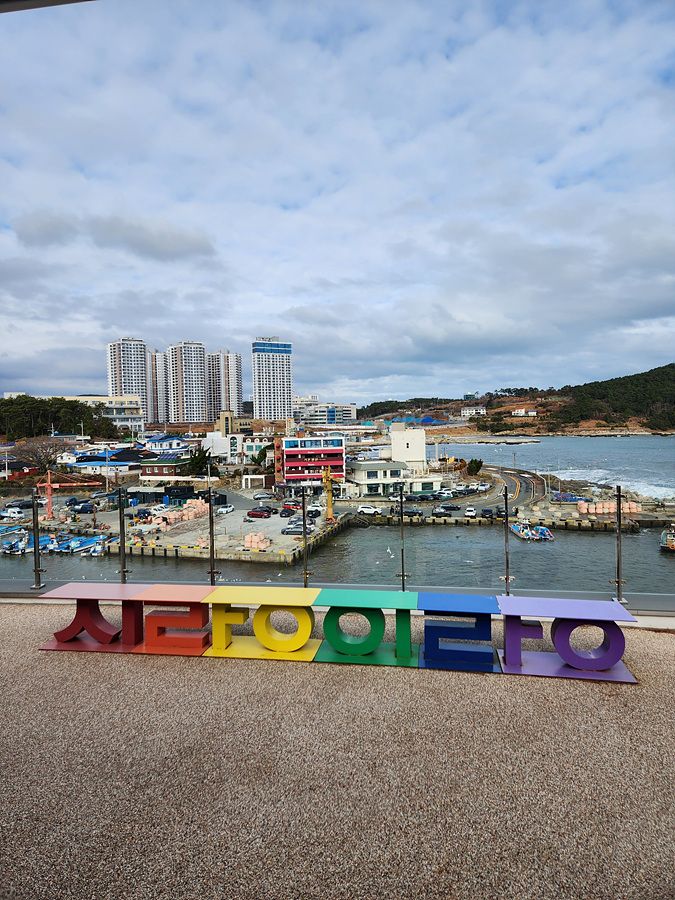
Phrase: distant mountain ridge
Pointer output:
(647, 398)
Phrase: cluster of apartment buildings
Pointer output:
(188, 384)
(184, 383)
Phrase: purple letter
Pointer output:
(514, 632)
(603, 657)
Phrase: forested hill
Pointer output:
(648, 396)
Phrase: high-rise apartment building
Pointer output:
(271, 361)
(186, 368)
(128, 371)
(223, 384)
(159, 386)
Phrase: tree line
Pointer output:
(27, 417)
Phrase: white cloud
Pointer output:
(445, 196)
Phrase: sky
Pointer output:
(427, 198)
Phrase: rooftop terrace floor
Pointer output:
(163, 777)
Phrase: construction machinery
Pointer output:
(72, 482)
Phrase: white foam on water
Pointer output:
(605, 476)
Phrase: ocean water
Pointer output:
(644, 463)
(449, 556)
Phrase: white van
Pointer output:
(12, 513)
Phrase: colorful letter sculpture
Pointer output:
(601, 664)
(450, 643)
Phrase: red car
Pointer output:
(259, 514)
(292, 504)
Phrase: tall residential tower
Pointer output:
(224, 384)
(186, 368)
(271, 362)
(128, 372)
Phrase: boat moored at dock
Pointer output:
(667, 540)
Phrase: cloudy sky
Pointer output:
(426, 197)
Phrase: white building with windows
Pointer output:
(223, 384)
(468, 412)
(124, 410)
(159, 386)
(128, 372)
(381, 477)
(186, 364)
(271, 362)
(524, 413)
(310, 411)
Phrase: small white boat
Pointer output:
(667, 541)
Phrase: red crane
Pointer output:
(50, 486)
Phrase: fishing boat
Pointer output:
(524, 531)
(667, 541)
(25, 544)
(57, 542)
(544, 534)
(98, 549)
(17, 545)
(82, 544)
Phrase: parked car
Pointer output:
(297, 529)
(487, 513)
(445, 493)
(470, 512)
(98, 494)
(444, 509)
(24, 504)
(272, 510)
(315, 508)
(484, 486)
(367, 510)
(499, 513)
(138, 512)
(73, 501)
(86, 507)
(12, 513)
(412, 511)
(159, 509)
(292, 504)
(313, 513)
(259, 513)
(286, 512)
(263, 495)
(223, 510)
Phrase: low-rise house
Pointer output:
(372, 478)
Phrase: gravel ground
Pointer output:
(165, 777)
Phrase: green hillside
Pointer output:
(648, 396)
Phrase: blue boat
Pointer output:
(25, 544)
(80, 544)
(524, 531)
(545, 534)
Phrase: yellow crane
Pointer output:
(327, 480)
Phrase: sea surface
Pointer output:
(644, 463)
(452, 556)
(440, 556)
